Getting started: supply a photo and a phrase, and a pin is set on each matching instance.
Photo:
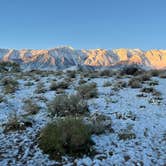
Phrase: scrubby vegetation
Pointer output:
(31, 107)
(63, 105)
(10, 85)
(9, 67)
(131, 70)
(87, 91)
(60, 113)
(59, 85)
(14, 123)
(66, 136)
(134, 83)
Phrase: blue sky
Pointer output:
(83, 23)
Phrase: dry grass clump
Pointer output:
(69, 136)
(65, 105)
(87, 91)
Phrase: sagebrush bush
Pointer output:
(163, 75)
(131, 70)
(59, 85)
(71, 73)
(100, 123)
(14, 123)
(126, 135)
(154, 73)
(119, 85)
(88, 90)
(66, 136)
(40, 88)
(144, 77)
(1, 99)
(82, 81)
(107, 73)
(9, 67)
(148, 90)
(107, 83)
(134, 83)
(63, 105)
(10, 85)
(31, 107)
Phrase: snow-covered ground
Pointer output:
(142, 118)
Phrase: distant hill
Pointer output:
(66, 57)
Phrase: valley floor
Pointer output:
(137, 137)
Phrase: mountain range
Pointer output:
(66, 57)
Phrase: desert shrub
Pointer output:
(82, 81)
(59, 85)
(88, 90)
(71, 73)
(93, 74)
(40, 88)
(1, 99)
(148, 90)
(154, 72)
(9, 67)
(14, 123)
(66, 136)
(29, 83)
(53, 86)
(119, 85)
(10, 85)
(134, 83)
(63, 105)
(131, 70)
(153, 83)
(107, 83)
(106, 73)
(163, 75)
(157, 93)
(31, 107)
(144, 77)
(100, 123)
(126, 135)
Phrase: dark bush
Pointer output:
(59, 85)
(66, 136)
(10, 85)
(134, 83)
(131, 70)
(88, 90)
(9, 67)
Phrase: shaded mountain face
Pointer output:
(65, 57)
